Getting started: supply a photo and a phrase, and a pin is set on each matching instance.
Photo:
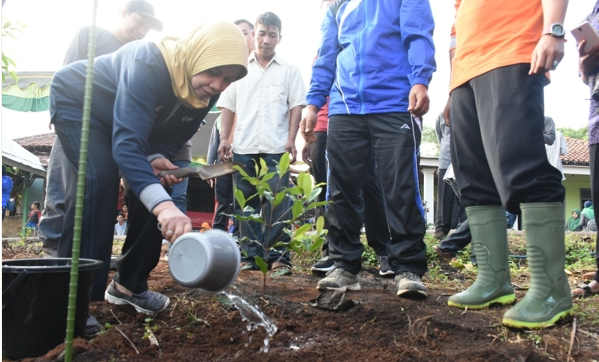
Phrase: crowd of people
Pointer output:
(369, 82)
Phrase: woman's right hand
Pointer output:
(172, 221)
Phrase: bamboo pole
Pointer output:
(87, 98)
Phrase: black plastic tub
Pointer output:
(35, 295)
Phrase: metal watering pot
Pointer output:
(208, 261)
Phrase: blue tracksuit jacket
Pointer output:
(371, 54)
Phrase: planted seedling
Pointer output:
(301, 198)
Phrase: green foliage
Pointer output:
(580, 134)
(429, 135)
(303, 197)
(9, 30)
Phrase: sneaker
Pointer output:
(445, 255)
(92, 326)
(439, 235)
(280, 268)
(324, 265)
(410, 285)
(384, 267)
(339, 279)
(247, 265)
(148, 302)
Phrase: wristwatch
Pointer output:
(556, 30)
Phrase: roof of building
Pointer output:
(37, 141)
(17, 156)
(578, 152)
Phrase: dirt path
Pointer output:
(383, 327)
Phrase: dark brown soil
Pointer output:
(198, 327)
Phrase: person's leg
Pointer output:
(142, 247)
(251, 235)
(525, 179)
(60, 172)
(456, 241)
(477, 188)
(101, 183)
(3, 212)
(223, 191)
(348, 152)
(375, 219)
(320, 171)
(445, 200)
(179, 191)
(396, 141)
(594, 161)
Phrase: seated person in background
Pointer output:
(574, 223)
(120, 228)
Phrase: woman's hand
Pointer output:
(172, 221)
(162, 164)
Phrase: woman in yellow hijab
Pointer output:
(148, 100)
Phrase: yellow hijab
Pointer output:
(210, 45)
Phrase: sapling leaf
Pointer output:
(241, 171)
(314, 194)
(316, 244)
(269, 197)
(279, 198)
(239, 197)
(297, 209)
(302, 230)
(283, 166)
(296, 190)
(319, 224)
(306, 182)
(263, 168)
(261, 264)
(316, 204)
(248, 209)
(268, 176)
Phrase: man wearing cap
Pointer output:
(137, 20)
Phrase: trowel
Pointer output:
(204, 172)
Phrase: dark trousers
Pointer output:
(101, 193)
(256, 231)
(594, 162)
(497, 144)
(394, 139)
(446, 200)
(319, 167)
(458, 240)
(375, 218)
(223, 192)
(141, 251)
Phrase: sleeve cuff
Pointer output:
(317, 101)
(154, 156)
(419, 80)
(152, 195)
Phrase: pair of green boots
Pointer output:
(548, 298)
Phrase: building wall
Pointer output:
(573, 185)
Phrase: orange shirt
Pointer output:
(491, 34)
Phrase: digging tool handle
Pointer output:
(13, 289)
(181, 173)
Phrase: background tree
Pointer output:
(580, 134)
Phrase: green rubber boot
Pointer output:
(489, 241)
(548, 298)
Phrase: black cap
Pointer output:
(145, 9)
